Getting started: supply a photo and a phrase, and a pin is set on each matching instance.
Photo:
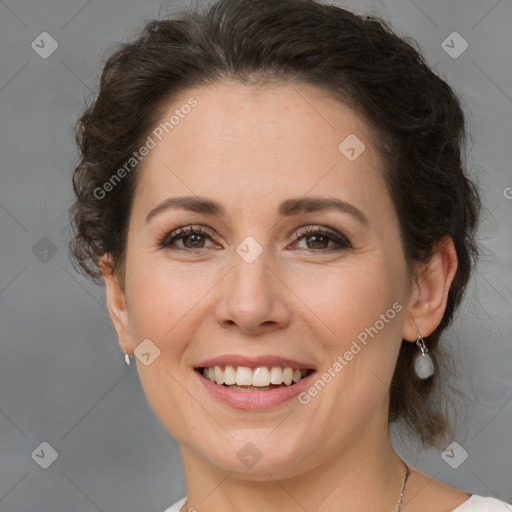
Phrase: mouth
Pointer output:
(254, 379)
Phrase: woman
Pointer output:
(274, 195)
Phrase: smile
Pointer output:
(261, 378)
(254, 388)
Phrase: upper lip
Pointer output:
(254, 362)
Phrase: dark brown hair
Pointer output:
(416, 119)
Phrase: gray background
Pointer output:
(62, 376)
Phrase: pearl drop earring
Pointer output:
(423, 364)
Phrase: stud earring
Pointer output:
(423, 364)
(127, 359)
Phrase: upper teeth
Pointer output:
(260, 376)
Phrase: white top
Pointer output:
(475, 503)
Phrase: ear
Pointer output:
(116, 302)
(429, 293)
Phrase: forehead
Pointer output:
(246, 141)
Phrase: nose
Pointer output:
(253, 299)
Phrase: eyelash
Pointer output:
(300, 233)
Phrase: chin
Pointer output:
(256, 456)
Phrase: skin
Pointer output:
(251, 148)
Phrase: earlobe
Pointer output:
(430, 292)
(116, 303)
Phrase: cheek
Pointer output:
(168, 303)
(159, 297)
(364, 310)
(159, 305)
(360, 311)
(351, 297)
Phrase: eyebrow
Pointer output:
(295, 206)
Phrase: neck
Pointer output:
(367, 475)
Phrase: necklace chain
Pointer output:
(398, 503)
(404, 483)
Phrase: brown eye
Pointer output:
(195, 240)
(318, 240)
(190, 237)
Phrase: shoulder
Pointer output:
(477, 503)
(424, 494)
(176, 507)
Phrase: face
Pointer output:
(270, 276)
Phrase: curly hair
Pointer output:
(417, 123)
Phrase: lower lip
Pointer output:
(255, 400)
